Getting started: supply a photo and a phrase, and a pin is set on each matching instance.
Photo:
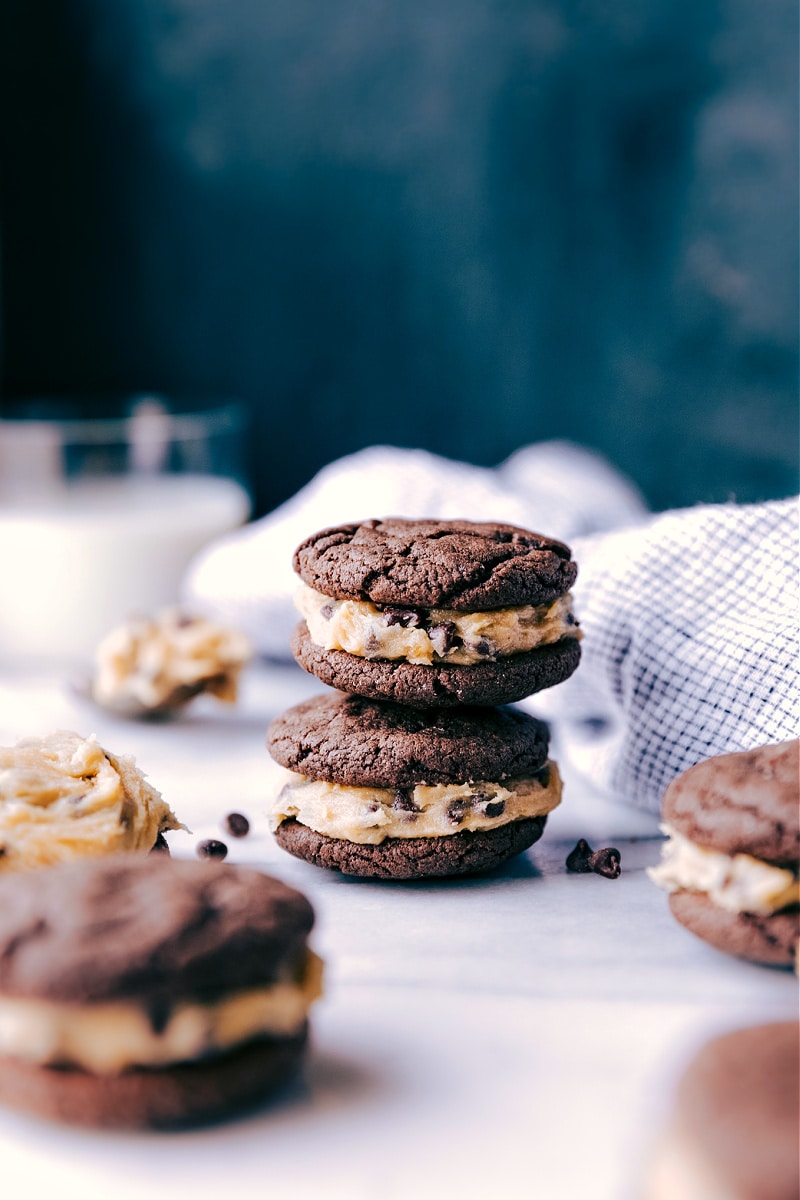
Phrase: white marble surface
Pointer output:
(516, 1035)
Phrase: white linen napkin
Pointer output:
(690, 618)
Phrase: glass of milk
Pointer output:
(100, 515)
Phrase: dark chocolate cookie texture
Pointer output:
(437, 564)
(359, 742)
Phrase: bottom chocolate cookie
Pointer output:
(771, 940)
(465, 853)
(184, 1094)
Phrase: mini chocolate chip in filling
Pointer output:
(159, 1011)
(327, 611)
(571, 620)
(495, 808)
(542, 777)
(606, 862)
(456, 809)
(443, 637)
(485, 647)
(237, 824)
(578, 859)
(371, 642)
(404, 801)
(409, 618)
(211, 848)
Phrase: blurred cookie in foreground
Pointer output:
(64, 796)
(731, 862)
(389, 792)
(436, 613)
(148, 992)
(154, 666)
(735, 1129)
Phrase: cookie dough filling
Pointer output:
(370, 815)
(64, 796)
(436, 635)
(108, 1038)
(154, 662)
(737, 883)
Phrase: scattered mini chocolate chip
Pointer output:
(495, 808)
(159, 1011)
(443, 637)
(570, 619)
(404, 801)
(327, 611)
(578, 859)
(211, 848)
(456, 809)
(237, 824)
(371, 643)
(184, 621)
(409, 618)
(485, 647)
(606, 862)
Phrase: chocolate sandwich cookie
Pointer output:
(436, 613)
(732, 859)
(379, 790)
(64, 796)
(734, 1129)
(147, 992)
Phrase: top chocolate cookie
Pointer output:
(461, 565)
(131, 927)
(741, 803)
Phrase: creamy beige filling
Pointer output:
(150, 662)
(369, 815)
(738, 883)
(107, 1038)
(64, 796)
(437, 635)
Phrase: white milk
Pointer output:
(77, 563)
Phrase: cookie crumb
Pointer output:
(606, 862)
(237, 824)
(578, 859)
(211, 848)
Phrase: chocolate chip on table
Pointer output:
(578, 859)
(211, 848)
(237, 824)
(443, 637)
(606, 862)
(409, 618)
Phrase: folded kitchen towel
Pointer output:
(690, 646)
(690, 618)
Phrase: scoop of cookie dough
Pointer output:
(63, 796)
(154, 665)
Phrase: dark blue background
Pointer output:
(457, 224)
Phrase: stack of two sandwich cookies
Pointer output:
(415, 767)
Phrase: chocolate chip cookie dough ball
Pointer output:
(139, 992)
(436, 613)
(63, 796)
(734, 1130)
(379, 790)
(733, 855)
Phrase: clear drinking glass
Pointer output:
(100, 515)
